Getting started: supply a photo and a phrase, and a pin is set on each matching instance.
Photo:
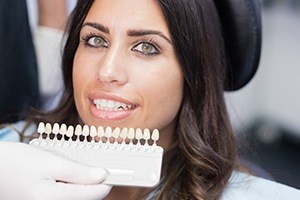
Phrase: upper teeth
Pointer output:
(109, 105)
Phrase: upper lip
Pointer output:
(109, 96)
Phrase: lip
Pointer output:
(109, 115)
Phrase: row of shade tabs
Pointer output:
(99, 134)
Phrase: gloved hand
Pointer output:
(28, 173)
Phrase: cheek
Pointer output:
(81, 78)
(77, 84)
(83, 71)
(79, 69)
(77, 77)
(170, 96)
(163, 97)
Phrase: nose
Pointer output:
(112, 67)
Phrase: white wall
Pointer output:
(274, 93)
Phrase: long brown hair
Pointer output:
(202, 158)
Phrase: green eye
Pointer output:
(146, 48)
(97, 42)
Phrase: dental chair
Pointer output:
(242, 29)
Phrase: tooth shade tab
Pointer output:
(146, 135)
(131, 133)
(108, 132)
(155, 136)
(85, 130)
(78, 130)
(116, 132)
(100, 131)
(93, 131)
(41, 128)
(55, 129)
(62, 130)
(139, 134)
(70, 131)
(124, 133)
(48, 128)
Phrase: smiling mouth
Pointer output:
(110, 105)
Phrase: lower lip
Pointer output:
(109, 115)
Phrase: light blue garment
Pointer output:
(10, 133)
(246, 187)
(241, 186)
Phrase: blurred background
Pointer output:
(266, 113)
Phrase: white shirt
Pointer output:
(247, 187)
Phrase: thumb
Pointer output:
(76, 173)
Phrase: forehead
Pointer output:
(128, 14)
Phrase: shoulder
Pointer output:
(247, 187)
(11, 132)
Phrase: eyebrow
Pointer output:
(98, 26)
(137, 33)
(131, 33)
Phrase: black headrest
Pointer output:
(241, 23)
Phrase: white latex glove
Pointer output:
(28, 173)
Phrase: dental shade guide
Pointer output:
(127, 154)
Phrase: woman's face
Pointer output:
(125, 71)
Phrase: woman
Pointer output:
(153, 59)
(163, 60)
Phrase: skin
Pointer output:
(115, 64)
(52, 13)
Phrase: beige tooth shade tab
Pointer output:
(85, 130)
(138, 135)
(63, 129)
(108, 133)
(100, 133)
(93, 133)
(116, 134)
(155, 136)
(146, 136)
(70, 131)
(48, 128)
(78, 130)
(124, 134)
(41, 128)
(131, 135)
(55, 128)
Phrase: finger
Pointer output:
(82, 192)
(72, 172)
